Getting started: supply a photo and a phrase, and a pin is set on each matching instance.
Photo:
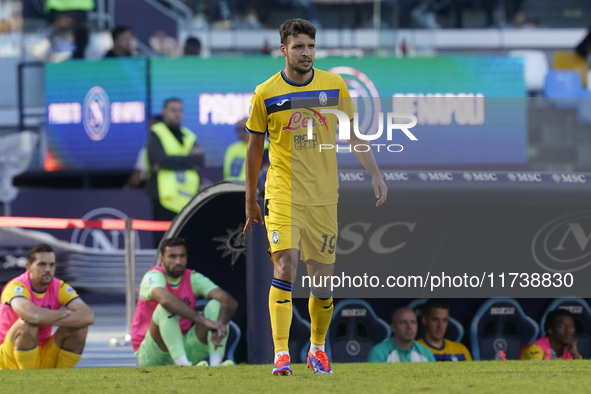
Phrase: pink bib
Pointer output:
(544, 344)
(145, 309)
(50, 300)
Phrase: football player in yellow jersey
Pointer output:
(435, 319)
(31, 305)
(301, 190)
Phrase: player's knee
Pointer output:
(161, 314)
(22, 327)
(212, 310)
(80, 333)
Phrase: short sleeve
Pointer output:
(257, 118)
(467, 353)
(13, 290)
(345, 102)
(532, 352)
(150, 281)
(66, 293)
(375, 355)
(201, 285)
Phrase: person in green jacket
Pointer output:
(402, 347)
(235, 156)
(175, 159)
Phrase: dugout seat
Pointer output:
(582, 313)
(299, 337)
(354, 330)
(501, 324)
(563, 89)
(234, 333)
(455, 330)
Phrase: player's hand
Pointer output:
(573, 349)
(380, 189)
(218, 332)
(253, 215)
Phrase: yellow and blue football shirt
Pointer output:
(16, 289)
(450, 351)
(299, 172)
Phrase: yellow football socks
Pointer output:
(49, 354)
(27, 359)
(67, 359)
(280, 309)
(320, 307)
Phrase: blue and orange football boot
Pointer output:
(318, 362)
(282, 366)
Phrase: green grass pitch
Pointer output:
(522, 377)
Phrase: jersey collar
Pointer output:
(434, 347)
(297, 84)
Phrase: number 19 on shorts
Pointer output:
(328, 244)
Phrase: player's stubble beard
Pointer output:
(170, 272)
(295, 65)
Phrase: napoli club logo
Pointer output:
(96, 113)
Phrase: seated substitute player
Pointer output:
(560, 342)
(302, 184)
(401, 348)
(435, 319)
(31, 306)
(166, 328)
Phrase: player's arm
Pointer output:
(467, 354)
(254, 158)
(368, 161)
(256, 125)
(35, 315)
(81, 316)
(228, 304)
(175, 305)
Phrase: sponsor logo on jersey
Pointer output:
(302, 142)
(301, 119)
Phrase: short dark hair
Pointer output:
(169, 242)
(433, 303)
(193, 42)
(551, 318)
(31, 257)
(171, 100)
(294, 27)
(118, 30)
